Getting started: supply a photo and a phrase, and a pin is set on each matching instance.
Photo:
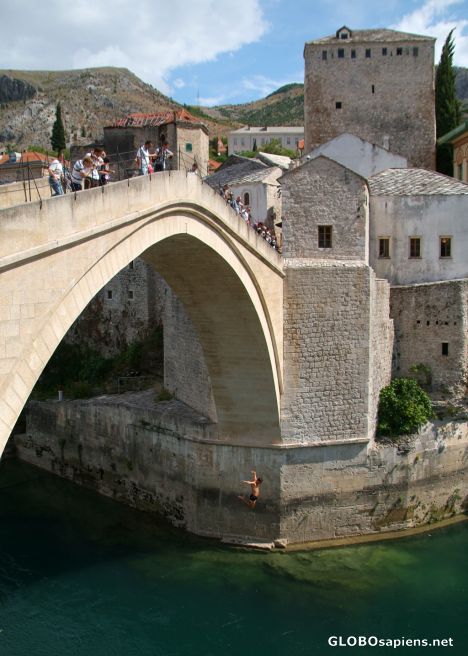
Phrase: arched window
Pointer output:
(246, 198)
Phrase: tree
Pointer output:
(58, 132)
(403, 408)
(447, 105)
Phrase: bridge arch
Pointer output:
(224, 283)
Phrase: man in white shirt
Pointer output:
(97, 156)
(143, 157)
(55, 177)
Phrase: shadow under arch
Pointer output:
(231, 335)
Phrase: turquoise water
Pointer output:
(81, 575)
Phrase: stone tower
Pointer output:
(375, 84)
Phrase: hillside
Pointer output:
(282, 107)
(90, 99)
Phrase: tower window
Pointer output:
(324, 55)
(353, 54)
(445, 348)
(399, 51)
(109, 294)
(325, 236)
(415, 247)
(130, 295)
(415, 52)
(246, 198)
(341, 53)
(445, 247)
(338, 104)
(384, 52)
(368, 53)
(373, 89)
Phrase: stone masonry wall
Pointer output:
(326, 350)
(123, 311)
(385, 99)
(185, 372)
(381, 347)
(322, 192)
(164, 459)
(426, 316)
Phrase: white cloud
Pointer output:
(263, 85)
(436, 18)
(151, 37)
(178, 83)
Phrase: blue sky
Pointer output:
(220, 51)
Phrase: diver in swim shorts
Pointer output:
(255, 491)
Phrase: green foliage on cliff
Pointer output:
(447, 105)
(403, 408)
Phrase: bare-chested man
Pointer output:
(254, 490)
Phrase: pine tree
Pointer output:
(447, 105)
(58, 132)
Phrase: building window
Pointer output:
(415, 247)
(188, 147)
(384, 52)
(384, 247)
(338, 104)
(325, 236)
(130, 295)
(109, 294)
(131, 265)
(343, 35)
(373, 88)
(445, 247)
(324, 55)
(353, 54)
(399, 51)
(445, 349)
(415, 52)
(368, 53)
(246, 198)
(340, 53)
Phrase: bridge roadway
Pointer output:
(55, 255)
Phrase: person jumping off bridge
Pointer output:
(255, 491)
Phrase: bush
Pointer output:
(403, 408)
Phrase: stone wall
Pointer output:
(427, 316)
(164, 459)
(387, 100)
(185, 371)
(326, 351)
(322, 192)
(123, 311)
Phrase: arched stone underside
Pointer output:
(227, 279)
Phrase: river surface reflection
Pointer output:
(80, 574)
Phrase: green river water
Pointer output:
(81, 575)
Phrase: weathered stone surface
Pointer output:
(163, 458)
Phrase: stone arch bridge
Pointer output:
(57, 254)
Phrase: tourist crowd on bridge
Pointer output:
(93, 170)
(244, 211)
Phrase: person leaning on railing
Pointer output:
(82, 169)
(55, 177)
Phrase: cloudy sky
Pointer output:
(217, 51)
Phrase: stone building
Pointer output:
(458, 138)
(337, 331)
(187, 136)
(255, 181)
(253, 138)
(375, 84)
(418, 226)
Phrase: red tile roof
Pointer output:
(154, 120)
